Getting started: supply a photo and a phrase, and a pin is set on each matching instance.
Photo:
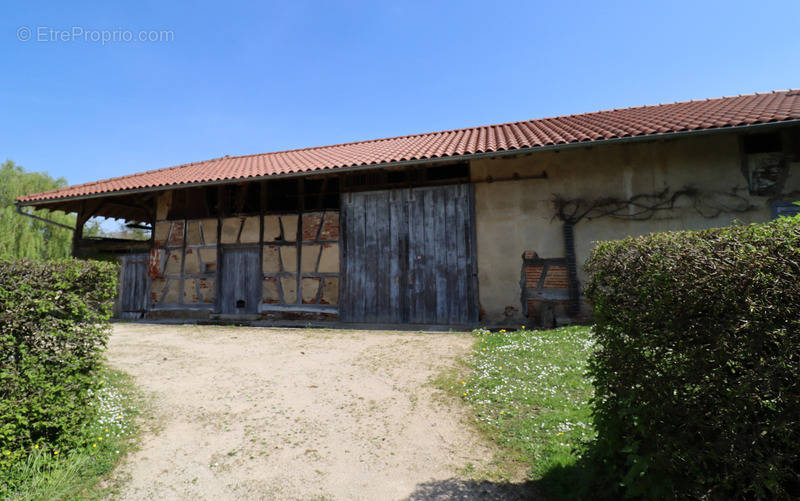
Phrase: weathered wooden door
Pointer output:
(240, 281)
(133, 286)
(408, 256)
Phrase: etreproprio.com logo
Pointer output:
(101, 36)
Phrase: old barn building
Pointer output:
(482, 225)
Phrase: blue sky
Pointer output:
(242, 77)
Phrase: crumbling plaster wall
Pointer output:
(183, 261)
(300, 260)
(517, 216)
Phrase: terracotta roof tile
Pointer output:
(596, 126)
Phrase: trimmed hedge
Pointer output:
(697, 374)
(53, 330)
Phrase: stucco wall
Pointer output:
(517, 216)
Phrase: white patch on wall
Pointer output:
(627, 185)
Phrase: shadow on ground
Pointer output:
(469, 490)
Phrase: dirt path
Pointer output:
(245, 413)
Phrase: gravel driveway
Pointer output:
(253, 413)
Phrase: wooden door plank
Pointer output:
(451, 257)
(396, 207)
(133, 285)
(252, 277)
(417, 256)
(429, 253)
(352, 269)
(359, 236)
(400, 238)
(439, 199)
(125, 286)
(140, 283)
(225, 282)
(459, 289)
(370, 258)
(382, 257)
(472, 253)
(344, 245)
(240, 274)
(408, 256)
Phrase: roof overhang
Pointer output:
(71, 203)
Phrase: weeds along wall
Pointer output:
(53, 331)
(698, 372)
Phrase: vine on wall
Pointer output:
(645, 206)
(637, 208)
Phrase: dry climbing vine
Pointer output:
(645, 206)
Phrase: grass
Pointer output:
(530, 394)
(49, 473)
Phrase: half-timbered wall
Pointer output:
(298, 252)
(300, 262)
(183, 264)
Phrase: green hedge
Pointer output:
(53, 330)
(698, 371)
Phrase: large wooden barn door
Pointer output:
(240, 281)
(408, 256)
(133, 286)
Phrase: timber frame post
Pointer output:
(77, 233)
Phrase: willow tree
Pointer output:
(25, 237)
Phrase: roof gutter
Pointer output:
(19, 211)
(453, 158)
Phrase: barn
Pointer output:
(484, 225)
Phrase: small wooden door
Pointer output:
(409, 256)
(133, 286)
(240, 281)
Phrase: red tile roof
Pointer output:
(597, 126)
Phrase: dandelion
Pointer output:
(35, 446)
(55, 453)
(99, 438)
(7, 453)
(94, 445)
(502, 330)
